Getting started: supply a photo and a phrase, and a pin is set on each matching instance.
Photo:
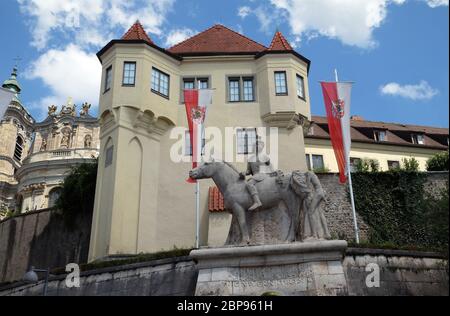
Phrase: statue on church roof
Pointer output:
(85, 109)
(52, 110)
(69, 108)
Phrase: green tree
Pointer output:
(367, 165)
(78, 192)
(439, 162)
(410, 165)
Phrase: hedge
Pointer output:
(399, 211)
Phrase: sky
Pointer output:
(396, 51)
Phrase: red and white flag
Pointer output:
(337, 97)
(5, 99)
(197, 102)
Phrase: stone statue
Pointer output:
(52, 110)
(292, 190)
(88, 141)
(65, 138)
(260, 168)
(85, 109)
(314, 224)
(69, 109)
(43, 145)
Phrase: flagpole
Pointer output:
(197, 190)
(350, 184)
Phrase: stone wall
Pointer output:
(168, 277)
(338, 209)
(41, 239)
(402, 273)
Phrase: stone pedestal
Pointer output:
(310, 268)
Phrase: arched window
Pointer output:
(53, 196)
(18, 151)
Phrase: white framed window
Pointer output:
(308, 162)
(318, 162)
(380, 136)
(418, 139)
(354, 162)
(393, 165)
(246, 141)
(241, 89)
(203, 83)
(129, 73)
(234, 89)
(249, 90)
(280, 83)
(301, 87)
(160, 82)
(108, 79)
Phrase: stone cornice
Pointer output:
(51, 164)
(288, 120)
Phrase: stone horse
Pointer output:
(272, 191)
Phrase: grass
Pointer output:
(129, 260)
(391, 246)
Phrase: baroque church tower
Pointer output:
(16, 130)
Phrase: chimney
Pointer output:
(357, 118)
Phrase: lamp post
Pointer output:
(32, 277)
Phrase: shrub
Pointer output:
(78, 193)
(410, 165)
(439, 162)
(399, 212)
(367, 165)
(321, 170)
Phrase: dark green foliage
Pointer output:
(436, 213)
(321, 170)
(367, 165)
(439, 162)
(78, 193)
(397, 210)
(411, 165)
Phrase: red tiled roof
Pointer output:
(137, 32)
(397, 134)
(279, 43)
(216, 202)
(217, 39)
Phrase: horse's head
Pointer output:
(205, 170)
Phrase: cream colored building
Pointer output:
(143, 203)
(387, 143)
(36, 157)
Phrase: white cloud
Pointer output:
(351, 22)
(178, 35)
(90, 22)
(421, 91)
(436, 3)
(243, 12)
(69, 72)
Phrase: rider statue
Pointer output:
(260, 168)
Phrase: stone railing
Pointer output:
(62, 154)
